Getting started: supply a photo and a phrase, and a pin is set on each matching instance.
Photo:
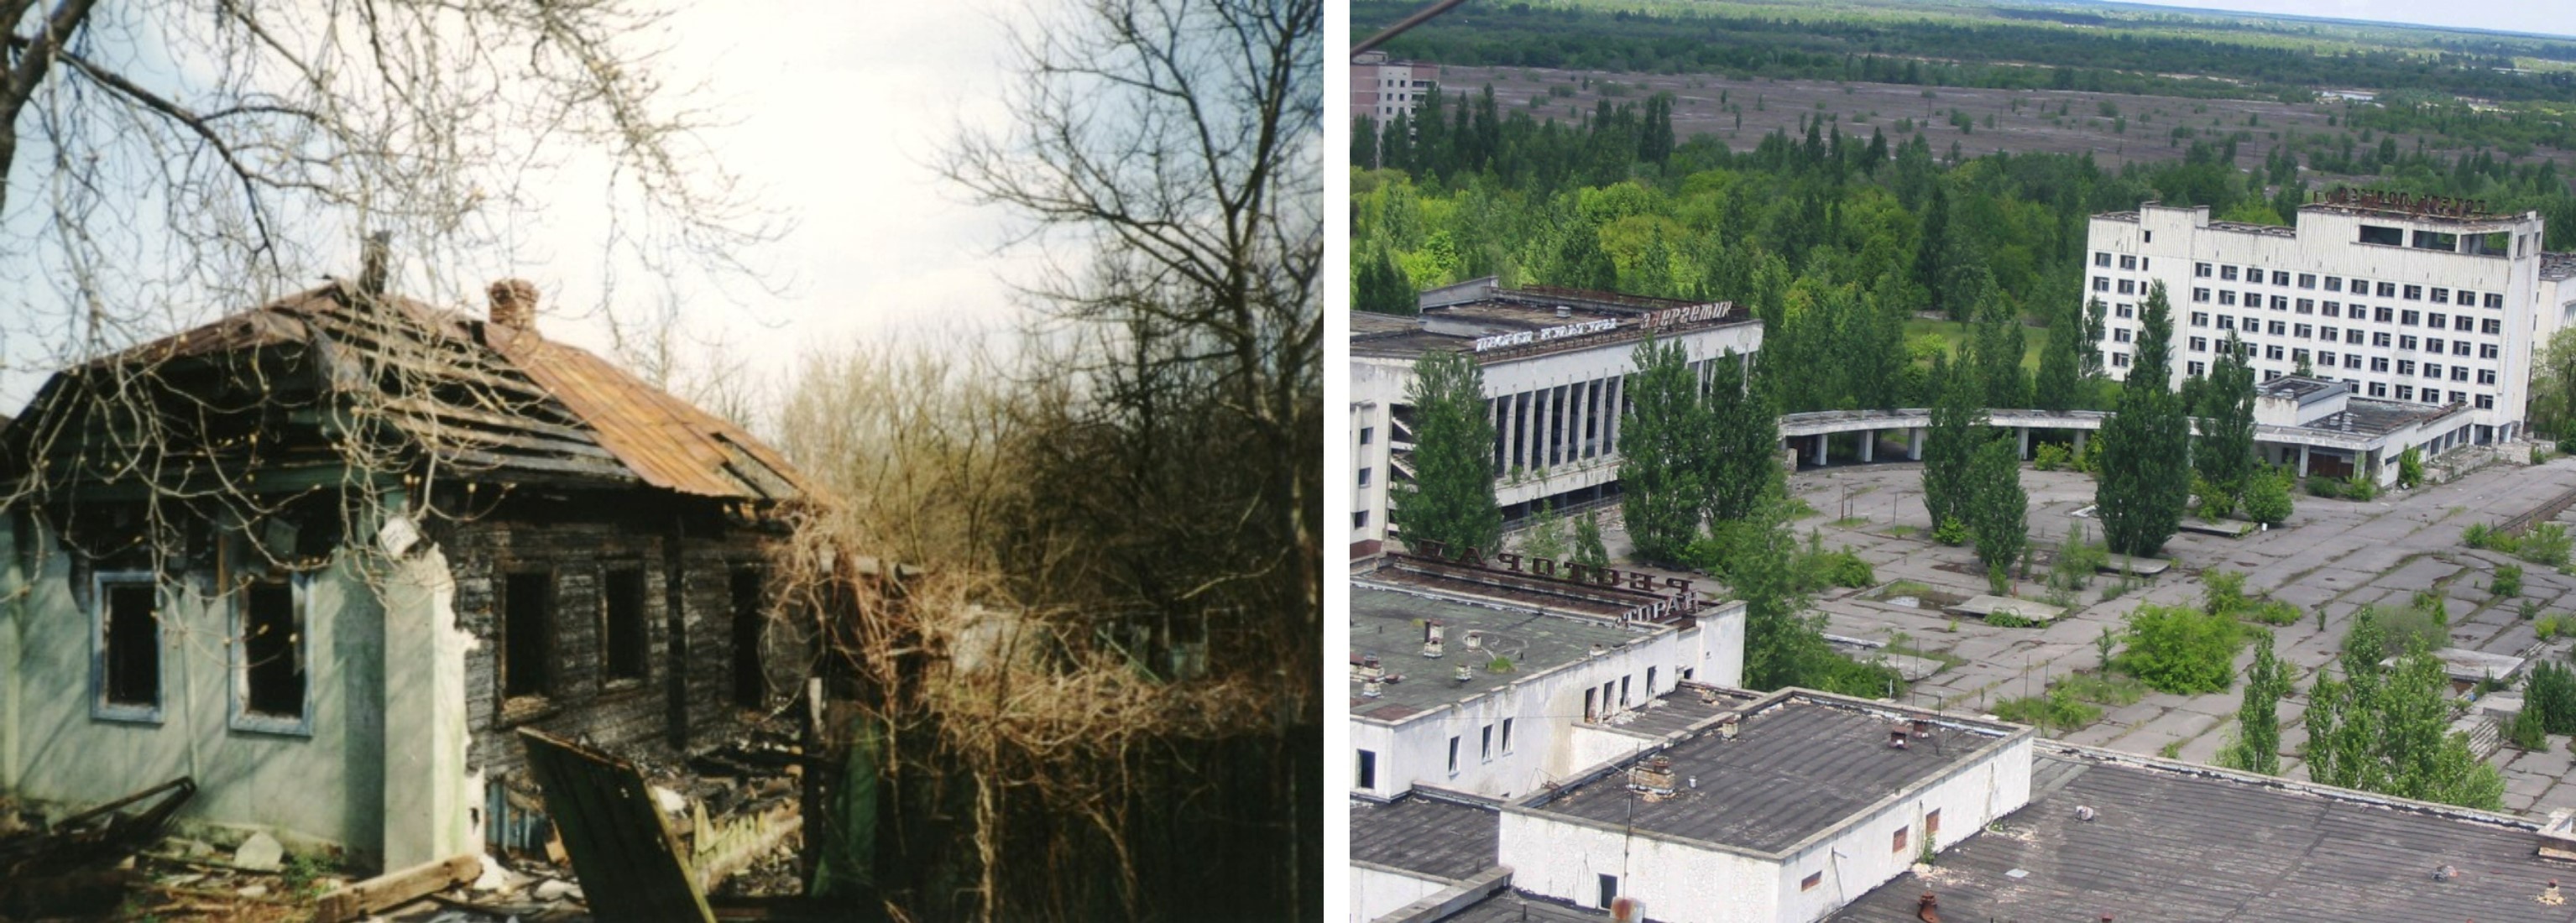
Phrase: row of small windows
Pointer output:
(1485, 750)
(2327, 358)
(2133, 263)
(2382, 389)
(2436, 294)
(2405, 318)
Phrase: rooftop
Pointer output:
(1428, 832)
(1510, 906)
(1387, 622)
(483, 399)
(1797, 767)
(2298, 388)
(1687, 706)
(1495, 323)
(2177, 843)
(2367, 417)
(2555, 266)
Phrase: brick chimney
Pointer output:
(514, 304)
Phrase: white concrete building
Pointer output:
(1555, 363)
(1783, 813)
(1432, 704)
(2406, 299)
(1381, 89)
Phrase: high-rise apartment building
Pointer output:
(2410, 299)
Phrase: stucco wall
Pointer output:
(1543, 708)
(1377, 890)
(1694, 883)
(327, 786)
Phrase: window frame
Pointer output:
(240, 717)
(99, 707)
(610, 575)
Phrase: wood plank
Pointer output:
(394, 889)
(630, 864)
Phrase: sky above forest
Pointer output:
(835, 115)
(2544, 17)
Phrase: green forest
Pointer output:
(1841, 243)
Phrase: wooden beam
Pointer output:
(394, 889)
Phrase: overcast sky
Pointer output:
(836, 109)
(2546, 17)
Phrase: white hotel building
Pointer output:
(2405, 300)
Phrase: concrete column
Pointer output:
(1868, 445)
(2024, 433)
(2303, 461)
(1511, 433)
(429, 793)
(2079, 442)
(1613, 409)
(1493, 417)
(1582, 403)
(1822, 441)
(1914, 444)
(1543, 421)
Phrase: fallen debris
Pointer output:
(394, 889)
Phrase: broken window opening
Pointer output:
(750, 685)
(527, 634)
(271, 630)
(623, 637)
(129, 657)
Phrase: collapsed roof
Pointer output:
(317, 379)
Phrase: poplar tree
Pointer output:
(1997, 350)
(2146, 472)
(1998, 510)
(2257, 747)
(1451, 499)
(1659, 472)
(1950, 442)
(1384, 288)
(1364, 143)
(2388, 729)
(2061, 367)
(1740, 455)
(2225, 456)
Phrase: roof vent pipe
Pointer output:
(514, 304)
(375, 262)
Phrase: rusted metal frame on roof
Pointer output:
(467, 415)
(488, 460)
(413, 355)
(623, 851)
(431, 431)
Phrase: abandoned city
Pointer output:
(1982, 460)
(626, 460)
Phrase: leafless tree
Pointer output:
(1175, 147)
(163, 159)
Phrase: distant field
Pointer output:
(1857, 108)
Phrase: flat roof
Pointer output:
(2298, 388)
(2556, 266)
(1687, 706)
(1796, 767)
(1387, 622)
(2178, 843)
(2363, 416)
(1555, 318)
(1512, 906)
(1442, 835)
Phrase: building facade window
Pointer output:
(2200, 270)
(2227, 273)
(2307, 280)
(623, 641)
(2128, 262)
(1453, 755)
(2200, 318)
(269, 657)
(1507, 736)
(1367, 770)
(527, 635)
(125, 622)
(2200, 295)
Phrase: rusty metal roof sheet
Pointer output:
(668, 442)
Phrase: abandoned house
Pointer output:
(326, 556)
